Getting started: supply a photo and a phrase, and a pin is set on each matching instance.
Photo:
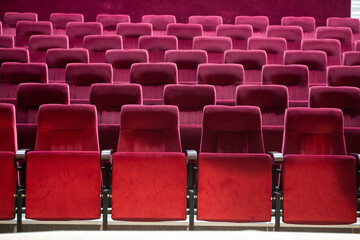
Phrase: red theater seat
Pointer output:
(239, 34)
(7, 41)
(343, 76)
(332, 48)
(99, 44)
(274, 48)
(306, 23)
(39, 44)
(20, 55)
(224, 77)
(76, 31)
(352, 23)
(149, 139)
(11, 19)
(187, 62)
(157, 45)
(25, 29)
(121, 61)
(185, 33)
(131, 32)
(214, 46)
(59, 21)
(153, 77)
(294, 77)
(234, 173)
(209, 23)
(159, 22)
(292, 34)
(351, 58)
(259, 23)
(110, 21)
(8, 147)
(190, 100)
(318, 176)
(343, 34)
(252, 61)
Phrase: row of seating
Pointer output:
(236, 179)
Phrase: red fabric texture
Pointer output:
(131, 32)
(352, 23)
(351, 58)
(234, 187)
(306, 23)
(24, 29)
(185, 32)
(214, 46)
(259, 23)
(59, 21)
(343, 76)
(141, 189)
(14, 55)
(157, 45)
(7, 185)
(39, 44)
(343, 34)
(209, 23)
(159, 22)
(274, 47)
(332, 48)
(78, 30)
(11, 18)
(98, 44)
(8, 141)
(6, 41)
(273, 137)
(292, 34)
(239, 34)
(110, 21)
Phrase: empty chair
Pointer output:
(57, 59)
(159, 22)
(252, 61)
(7, 41)
(234, 183)
(11, 19)
(343, 76)
(343, 34)
(39, 44)
(209, 23)
(67, 156)
(121, 61)
(185, 33)
(191, 101)
(214, 46)
(12, 74)
(347, 99)
(272, 100)
(187, 62)
(157, 45)
(59, 21)
(14, 55)
(99, 44)
(259, 24)
(306, 23)
(76, 32)
(153, 77)
(30, 96)
(351, 58)
(239, 34)
(352, 23)
(131, 32)
(331, 47)
(274, 48)
(7, 166)
(80, 77)
(149, 138)
(315, 61)
(224, 77)
(109, 100)
(25, 29)
(294, 77)
(110, 21)
(292, 34)
(318, 176)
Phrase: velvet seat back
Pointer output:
(351, 58)
(157, 45)
(130, 32)
(274, 47)
(59, 21)
(11, 19)
(159, 22)
(214, 46)
(110, 21)
(259, 23)
(99, 44)
(20, 55)
(39, 44)
(7, 41)
(332, 48)
(306, 23)
(185, 33)
(25, 29)
(343, 76)
(352, 23)
(239, 34)
(292, 34)
(76, 32)
(343, 34)
(209, 23)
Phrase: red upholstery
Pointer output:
(225, 78)
(351, 58)
(110, 21)
(1, 28)
(306, 23)
(214, 46)
(190, 100)
(322, 166)
(157, 45)
(239, 34)
(39, 44)
(57, 59)
(149, 138)
(274, 47)
(252, 61)
(209, 23)
(352, 23)
(80, 76)
(292, 34)
(78, 30)
(121, 61)
(185, 32)
(25, 29)
(8, 146)
(131, 32)
(234, 176)
(14, 55)
(6, 41)
(11, 18)
(259, 23)
(357, 45)
(59, 21)
(331, 47)
(315, 60)
(98, 44)
(294, 77)
(343, 76)
(153, 77)
(187, 62)
(159, 22)
(343, 34)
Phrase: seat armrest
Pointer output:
(20, 155)
(277, 156)
(191, 156)
(106, 155)
(357, 157)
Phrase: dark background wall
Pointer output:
(182, 9)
